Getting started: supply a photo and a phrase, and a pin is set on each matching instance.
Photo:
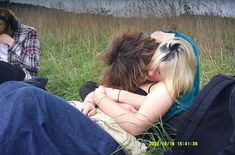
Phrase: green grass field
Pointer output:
(70, 42)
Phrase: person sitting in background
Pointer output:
(19, 49)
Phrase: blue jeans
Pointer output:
(33, 121)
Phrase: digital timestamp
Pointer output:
(172, 143)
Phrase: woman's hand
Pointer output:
(113, 94)
(160, 36)
(99, 93)
(89, 108)
(6, 39)
(89, 105)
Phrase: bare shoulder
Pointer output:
(160, 91)
(159, 87)
(146, 86)
(157, 102)
(160, 94)
(154, 87)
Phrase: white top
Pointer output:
(3, 52)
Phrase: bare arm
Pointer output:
(123, 96)
(154, 106)
(131, 98)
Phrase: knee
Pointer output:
(28, 93)
(14, 85)
(24, 96)
(11, 86)
(20, 104)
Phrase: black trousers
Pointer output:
(9, 72)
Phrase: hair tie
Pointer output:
(172, 50)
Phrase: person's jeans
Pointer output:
(33, 121)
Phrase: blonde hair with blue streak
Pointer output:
(176, 62)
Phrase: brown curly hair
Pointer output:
(126, 58)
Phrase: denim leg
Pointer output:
(34, 122)
(9, 86)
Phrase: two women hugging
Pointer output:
(147, 78)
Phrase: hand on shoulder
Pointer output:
(160, 36)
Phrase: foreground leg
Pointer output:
(34, 121)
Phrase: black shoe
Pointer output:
(38, 82)
(87, 88)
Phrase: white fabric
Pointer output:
(128, 142)
(3, 52)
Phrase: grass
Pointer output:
(68, 50)
(69, 43)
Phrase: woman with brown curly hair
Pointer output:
(126, 59)
(19, 49)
